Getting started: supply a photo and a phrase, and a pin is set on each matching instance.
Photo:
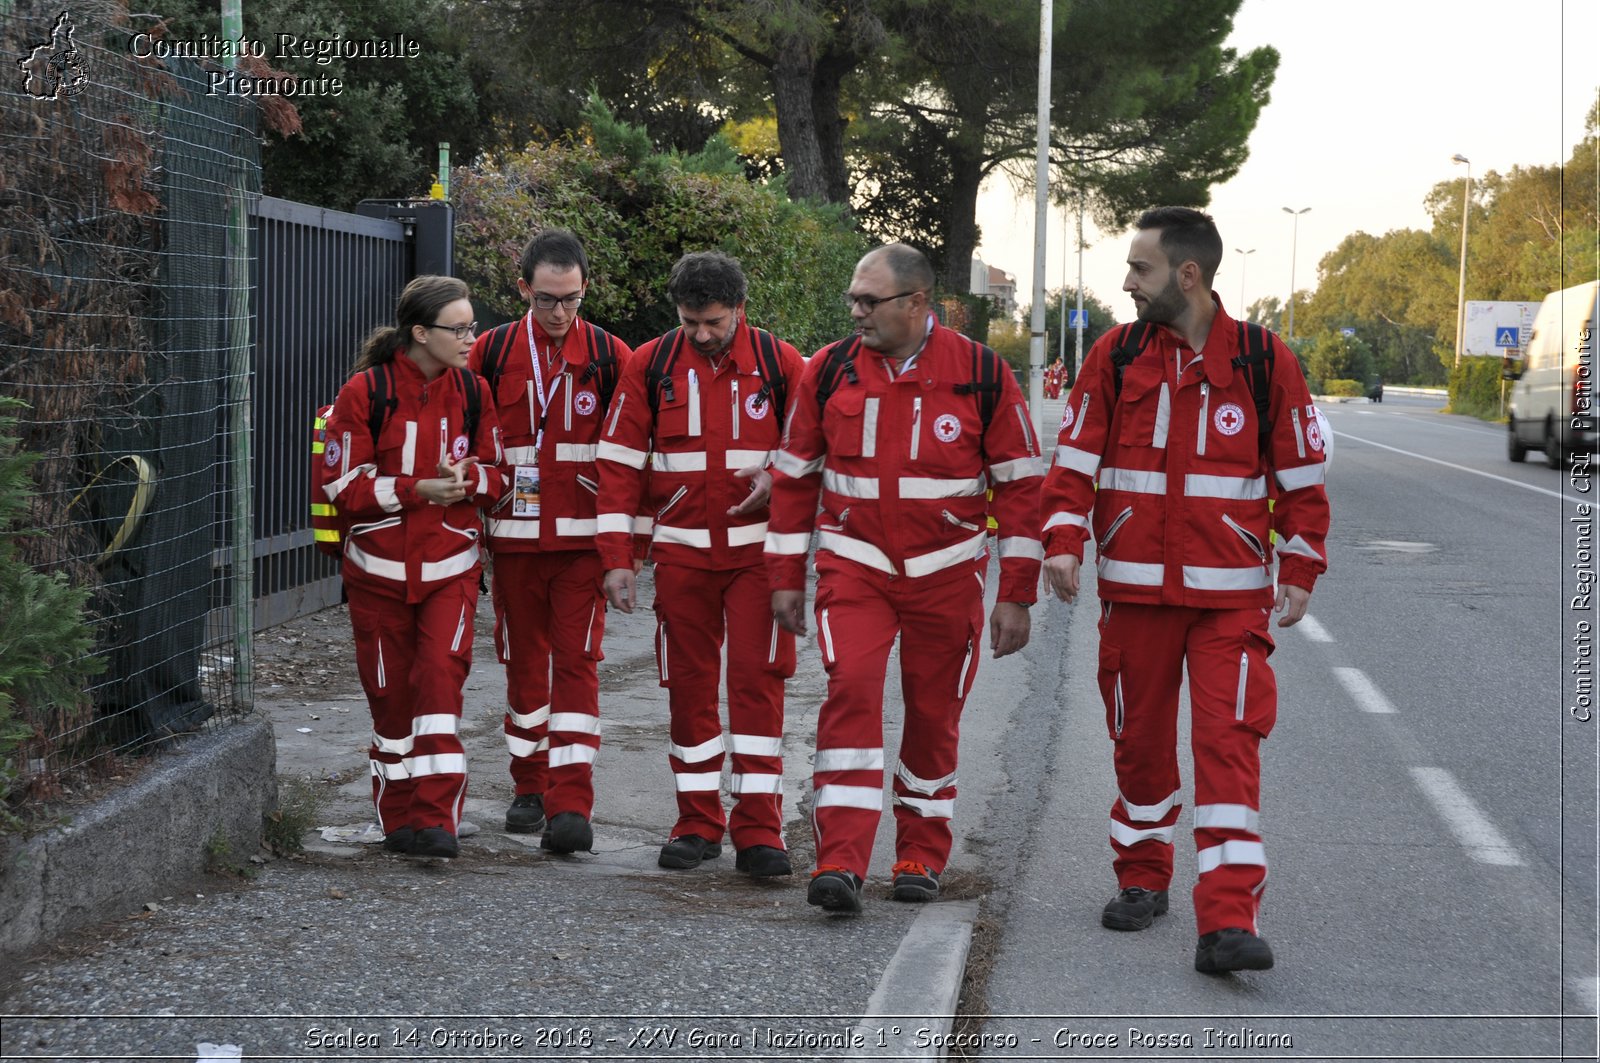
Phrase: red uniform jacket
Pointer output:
(398, 541)
(714, 423)
(564, 456)
(903, 465)
(1181, 514)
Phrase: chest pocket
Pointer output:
(1145, 407)
(672, 416)
(844, 422)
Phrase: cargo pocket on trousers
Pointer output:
(1256, 697)
(1111, 688)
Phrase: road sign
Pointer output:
(1508, 337)
(1075, 318)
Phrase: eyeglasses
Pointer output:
(461, 332)
(869, 303)
(548, 302)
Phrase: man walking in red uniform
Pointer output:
(1189, 421)
(901, 429)
(702, 408)
(551, 374)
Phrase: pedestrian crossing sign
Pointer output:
(1507, 337)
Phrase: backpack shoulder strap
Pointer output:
(1129, 346)
(985, 381)
(495, 351)
(602, 365)
(381, 400)
(774, 385)
(474, 402)
(1256, 357)
(840, 360)
(658, 374)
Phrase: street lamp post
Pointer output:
(1243, 261)
(1294, 247)
(1461, 285)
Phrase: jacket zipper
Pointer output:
(1250, 539)
(1117, 720)
(958, 522)
(1205, 415)
(616, 414)
(676, 496)
(1116, 525)
(916, 425)
(1244, 677)
(736, 407)
(566, 378)
(589, 485)
(1027, 432)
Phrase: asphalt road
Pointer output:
(1428, 808)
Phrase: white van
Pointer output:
(1553, 397)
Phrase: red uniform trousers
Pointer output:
(694, 608)
(413, 660)
(859, 611)
(1233, 700)
(550, 614)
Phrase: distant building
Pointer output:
(998, 285)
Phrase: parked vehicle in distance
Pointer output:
(1375, 390)
(1553, 394)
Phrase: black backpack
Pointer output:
(986, 381)
(1255, 358)
(602, 367)
(774, 384)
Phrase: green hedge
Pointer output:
(1341, 389)
(1475, 388)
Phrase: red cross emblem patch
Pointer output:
(1229, 419)
(585, 402)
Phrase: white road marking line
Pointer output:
(1363, 690)
(1471, 827)
(1312, 630)
(1574, 499)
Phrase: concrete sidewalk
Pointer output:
(507, 951)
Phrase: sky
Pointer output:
(1371, 100)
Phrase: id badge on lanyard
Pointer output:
(525, 496)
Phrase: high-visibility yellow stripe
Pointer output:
(327, 535)
(317, 447)
(321, 422)
(324, 509)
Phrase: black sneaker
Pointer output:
(914, 882)
(763, 861)
(435, 841)
(1232, 949)
(399, 840)
(1134, 908)
(526, 814)
(688, 850)
(835, 890)
(569, 832)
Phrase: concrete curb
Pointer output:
(911, 1012)
(139, 842)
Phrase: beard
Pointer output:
(1167, 305)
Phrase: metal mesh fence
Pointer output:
(124, 327)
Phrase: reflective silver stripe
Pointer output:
(1123, 834)
(416, 767)
(576, 753)
(644, 524)
(523, 747)
(939, 560)
(483, 480)
(514, 527)
(1134, 480)
(743, 459)
(1227, 817)
(1302, 476)
(788, 544)
(1071, 520)
(1163, 417)
(747, 534)
(1077, 460)
(575, 723)
(932, 487)
(1299, 547)
(825, 636)
(1199, 578)
(869, 429)
(461, 629)
(383, 490)
(1234, 488)
(1299, 435)
(1148, 813)
(687, 461)
(1083, 415)
(697, 781)
(383, 681)
(333, 488)
(926, 808)
(577, 527)
(833, 795)
(711, 747)
(579, 452)
(1231, 852)
(1005, 472)
(757, 745)
(790, 465)
(377, 566)
(846, 759)
(522, 455)
(433, 723)
(917, 784)
(408, 455)
(612, 523)
(1131, 572)
(850, 486)
(854, 550)
(697, 537)
(633, 459)
(450, 566)
(530, 720)
(1205, 412)
(1238, 700)
(755, 783)
(1021, 546)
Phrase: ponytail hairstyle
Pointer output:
(420, 304)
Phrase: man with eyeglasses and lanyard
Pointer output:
(901, 430)
(550, 373)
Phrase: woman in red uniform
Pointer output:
(413, 451)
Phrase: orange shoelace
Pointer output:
(911, 867)
(825, 868)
